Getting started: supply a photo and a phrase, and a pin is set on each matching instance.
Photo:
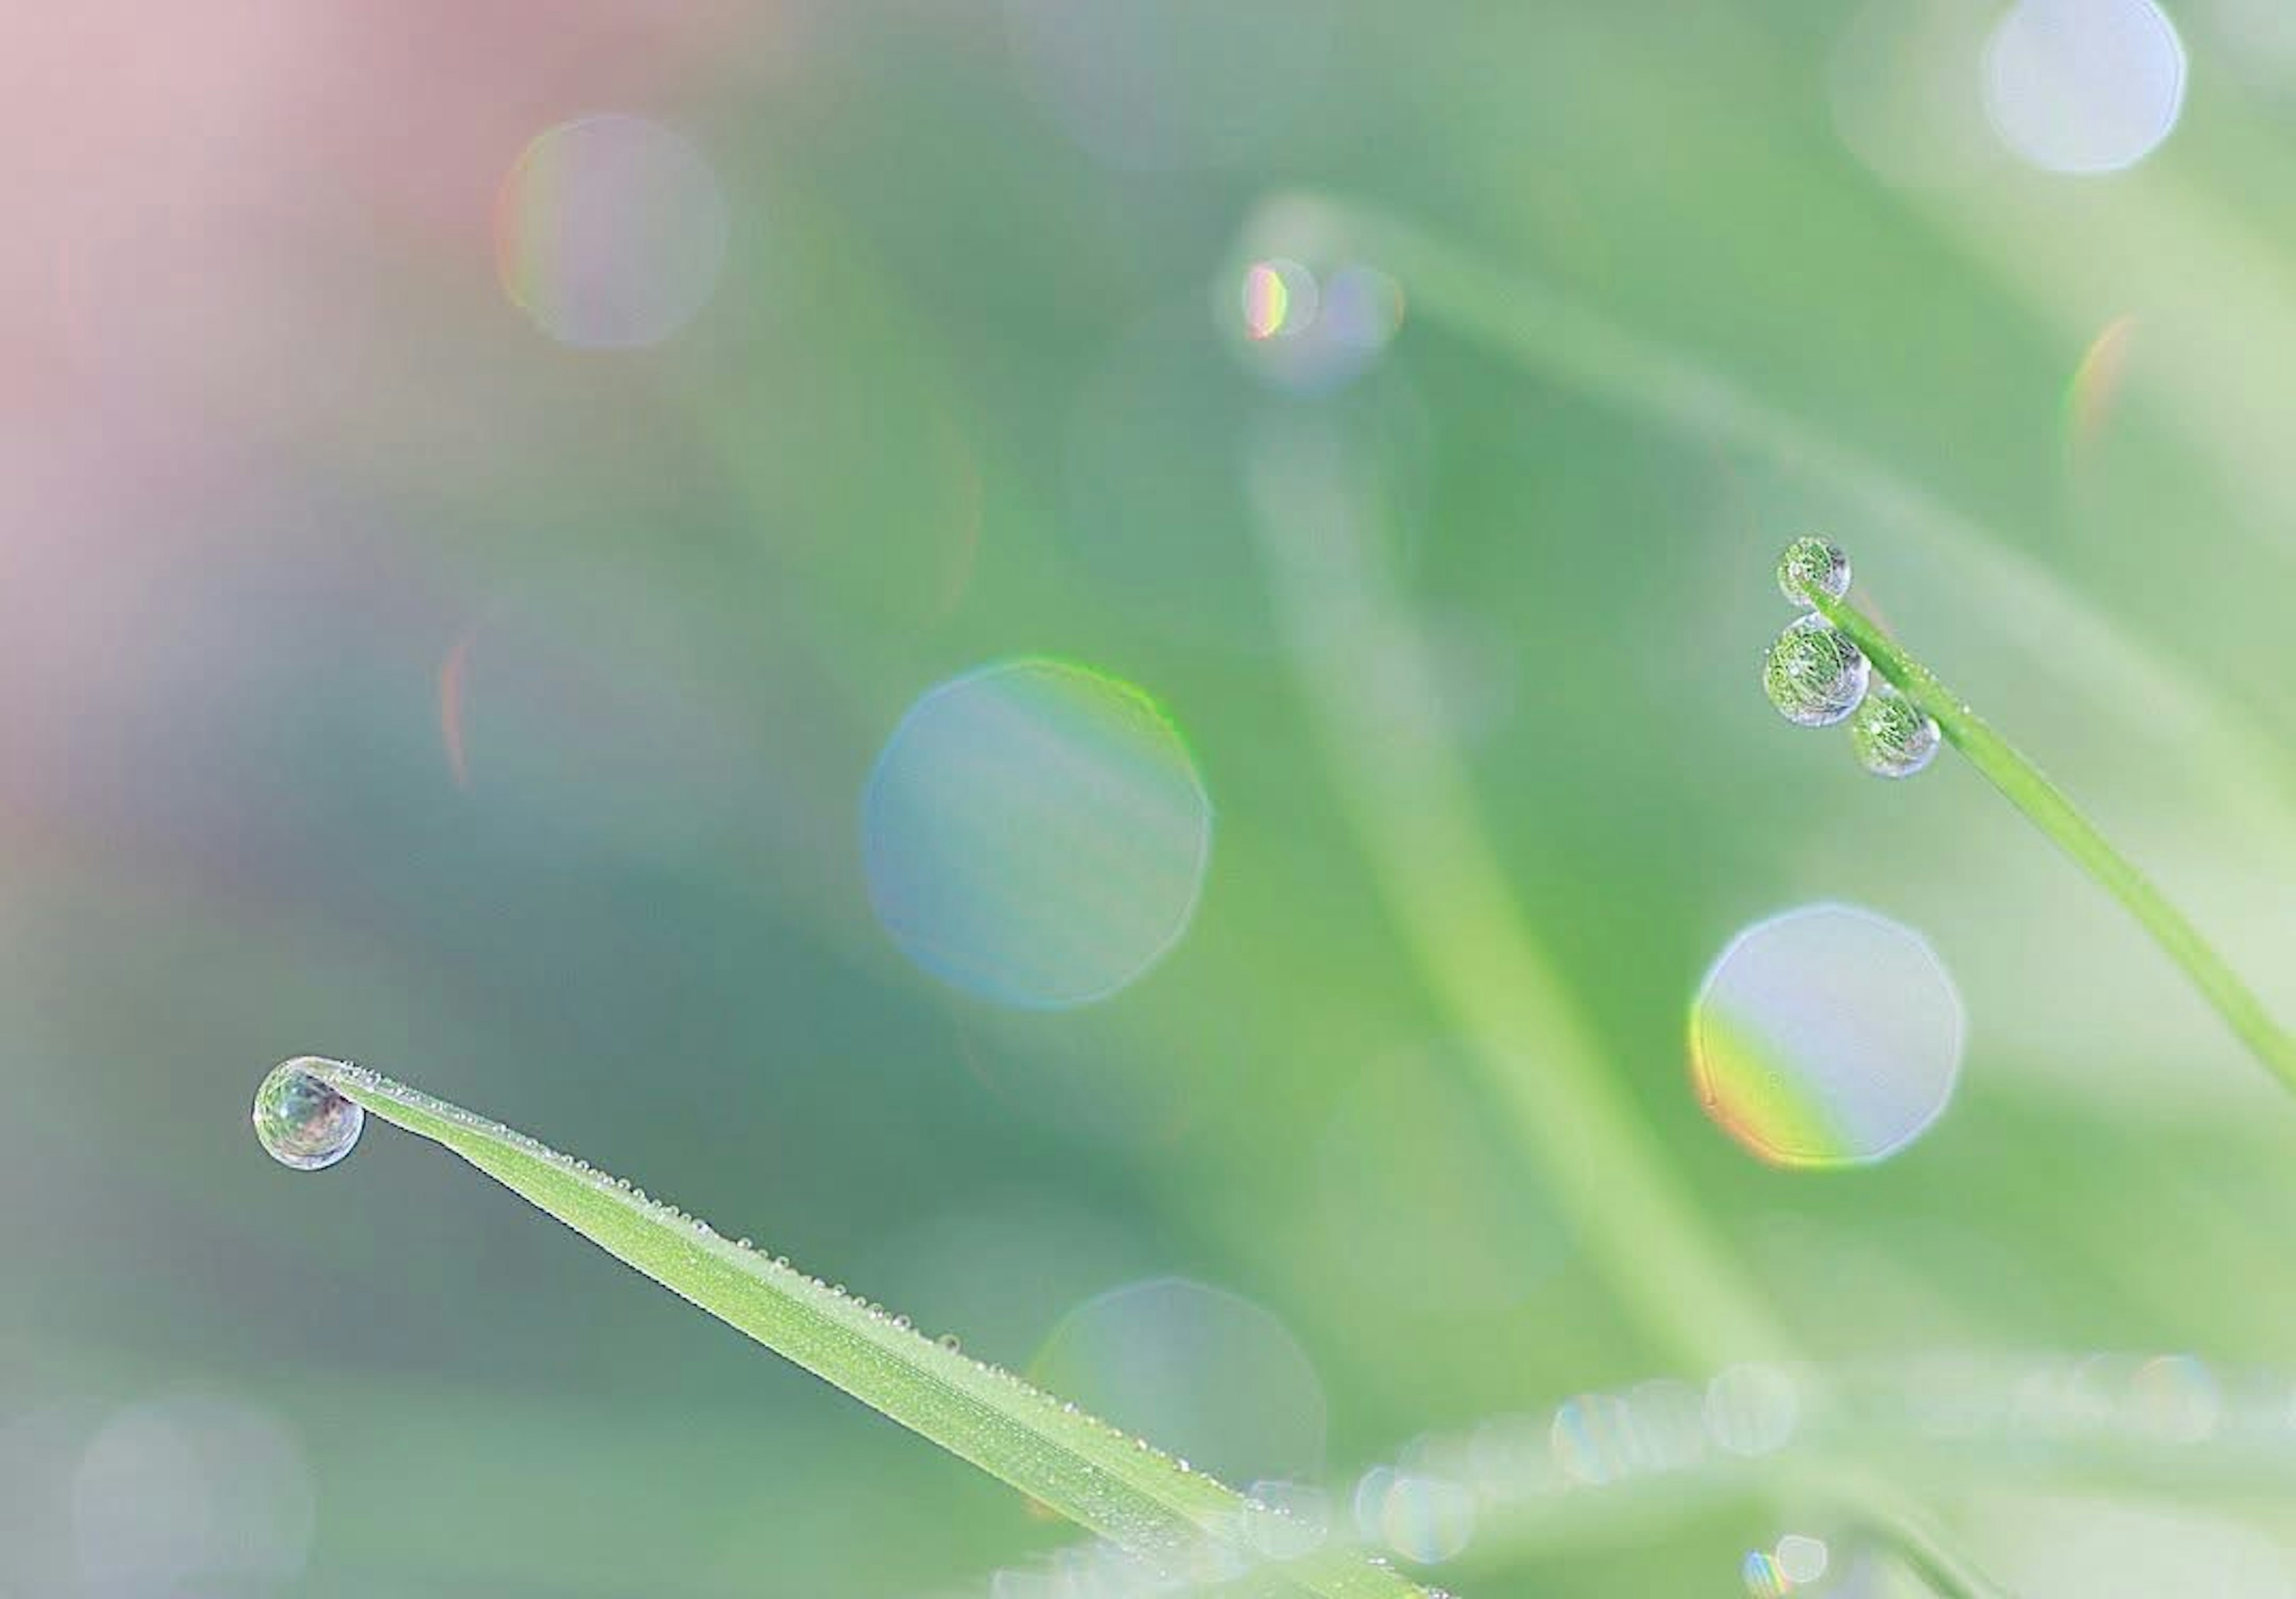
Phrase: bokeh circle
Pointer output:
(1035, 834)
(610, 232)
(1826, 1036)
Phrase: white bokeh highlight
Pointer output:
(2084, 86)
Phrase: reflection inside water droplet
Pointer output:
(1813, 674)
(1890, 736)
(303, 1122)
(1813, 566)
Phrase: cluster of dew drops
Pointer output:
(1816, 676)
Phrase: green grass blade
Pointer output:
(1177, 1520)
(1514, 316)
(2045, 804)
(1409, 796)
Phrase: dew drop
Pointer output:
(1891, 735)
(1813, 674)
(1813, 566)
(744, 1243)
(302, 1121)
(951, 1342)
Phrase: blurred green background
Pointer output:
(389, 679)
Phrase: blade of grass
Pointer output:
(1412, 805)
(1929, 1556)
(1512, 315)
(2046, 806)
(1175, 1519)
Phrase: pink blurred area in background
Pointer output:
(242, 240)
(212, 183)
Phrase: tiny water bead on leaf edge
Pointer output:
(1813, 674)
(302, 1120)
(1891, 735)
(1813, 564)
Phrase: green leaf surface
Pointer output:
(1178, 1521)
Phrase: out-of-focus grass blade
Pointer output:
(1174, 1519)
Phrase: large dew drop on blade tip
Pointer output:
(1813, 566)
(302, 1120)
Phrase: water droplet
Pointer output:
(1813, 566)
(744, 1243)
(302, 1121)
(951, 1342)
(1813, 674)
(1891, 734)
